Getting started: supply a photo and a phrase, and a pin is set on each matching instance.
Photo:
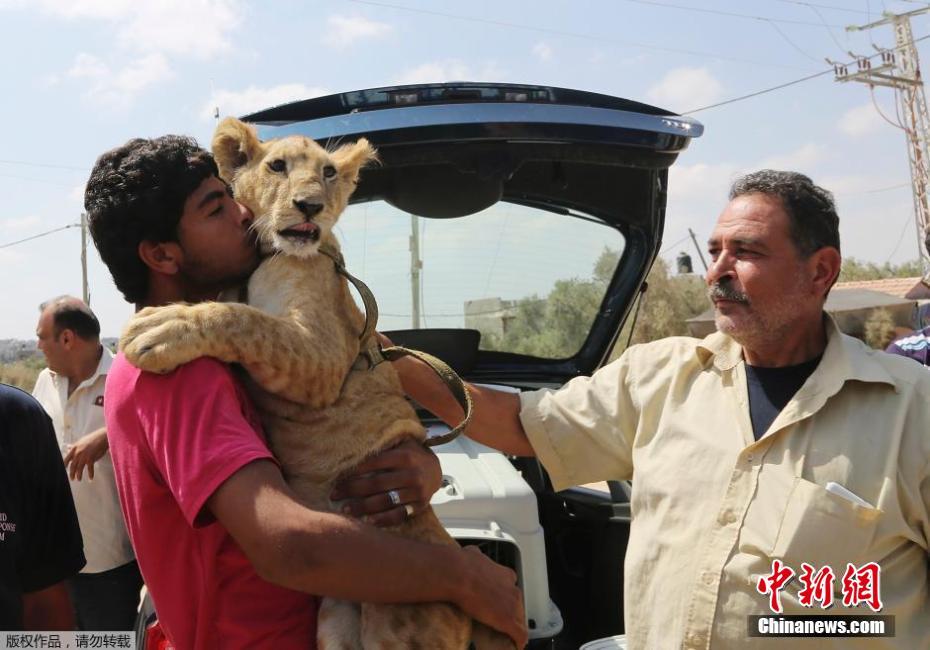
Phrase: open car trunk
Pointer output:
(546, 206)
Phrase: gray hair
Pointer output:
(811, 210)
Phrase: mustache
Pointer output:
(720, 291)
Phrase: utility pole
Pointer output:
(900, 69)
(84, 258)
(698, 249)
(415, 265)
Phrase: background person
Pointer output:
(915, 345)
(40, 541)
(71, 390)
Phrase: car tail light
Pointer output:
(155, 638)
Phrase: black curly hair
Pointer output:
(136, 193)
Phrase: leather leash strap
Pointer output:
(372, 353)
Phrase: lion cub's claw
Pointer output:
(157, 339)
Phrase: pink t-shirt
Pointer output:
(174, 439)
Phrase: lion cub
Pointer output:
(298, 338)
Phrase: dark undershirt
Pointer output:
(770, 389)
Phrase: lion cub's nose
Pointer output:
(308, 209)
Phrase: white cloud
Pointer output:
(542, 51)
(20, 223)
(88, 66)
(148, 35)
(198, 28)
(253, 98)
(685, 88)
(801, 159)
(345, 31)
(118, 88)
(861, 120)
(700, 181)
(10, 257)
(77, 193)
(107, 9)
(691, 184)
(450, 70)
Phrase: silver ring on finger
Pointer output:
(394, 496)
(408, 510)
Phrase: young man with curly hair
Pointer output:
(229, 555)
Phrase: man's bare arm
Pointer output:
(48, 609)
(324, 553)
(496, 415)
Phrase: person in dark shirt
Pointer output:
(915, 345)
(40, 541)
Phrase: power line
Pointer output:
(730, 14)
(41, 234)
(907, 223)
(671, 246)
(780, 86)
(757, 93)
(24, 163)
(558, 32)
(35, 180)
(827, 27)
(876, 190)
(790, 42)
(823, 6)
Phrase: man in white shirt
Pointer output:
(106, 592)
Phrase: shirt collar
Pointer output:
(103, 367)
(845, 358)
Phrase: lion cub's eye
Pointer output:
(277, 166)
(329, 171)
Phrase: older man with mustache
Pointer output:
(778, 465)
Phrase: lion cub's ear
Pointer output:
(235, 144)
(350, 158)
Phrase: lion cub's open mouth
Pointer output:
(305, 232)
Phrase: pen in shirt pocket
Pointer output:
(840, 491)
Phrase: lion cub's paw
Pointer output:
(159, 339)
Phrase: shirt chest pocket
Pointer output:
(823, 529)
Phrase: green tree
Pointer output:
(854, 270)
(557, 325)
(667, 303)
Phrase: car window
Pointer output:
(530, 280)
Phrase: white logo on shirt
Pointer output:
(6, 526)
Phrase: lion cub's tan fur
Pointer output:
(298, 338)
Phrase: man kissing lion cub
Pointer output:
(324, 407)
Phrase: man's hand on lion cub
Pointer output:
(501, 609)
(409, 468)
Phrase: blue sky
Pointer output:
(82, 76)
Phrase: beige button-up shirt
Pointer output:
(106, 543)
(712, 507)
